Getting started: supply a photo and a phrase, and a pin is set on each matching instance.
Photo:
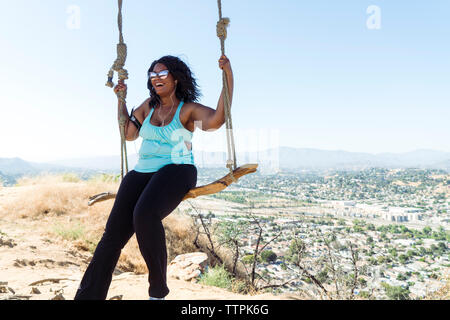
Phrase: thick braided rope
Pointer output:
(117, 66)
(119, 22)
(221, 29)
(119, 63)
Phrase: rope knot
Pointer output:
(221, 28)
(121, 57)
(118, 65)
(110, 83)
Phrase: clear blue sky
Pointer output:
(311, 72)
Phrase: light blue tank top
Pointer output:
(164, 145)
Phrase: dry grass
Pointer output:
(60, 203)
(47, 179)
(443, 293)
(51, 195)
(179, 235)
(131, 259)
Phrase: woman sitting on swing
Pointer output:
(163, 175)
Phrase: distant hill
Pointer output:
(283, 158)
(12, 169)
(304, 158)
(292, 158)
(107, 163)
(16, 166)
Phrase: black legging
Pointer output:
(143, 200)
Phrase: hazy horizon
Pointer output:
(224, 151)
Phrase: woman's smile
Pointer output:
(159, 85)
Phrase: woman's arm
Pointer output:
(209, 118)
(131, 132)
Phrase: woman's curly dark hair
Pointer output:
(187, 89)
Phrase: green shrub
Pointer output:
(69, 232)
(396, 292)
(268, 256)
(364, 294)
(70, 177)
(218, 277)
(104, 177)
(249, 258)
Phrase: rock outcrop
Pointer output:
(188, 267)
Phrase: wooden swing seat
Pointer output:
(210, 188)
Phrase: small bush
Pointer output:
(218, 277)
(70, 177)
(249, 258)
(268, 256)
(86, 245)
(242, 287)
(69, 232)
(104, 177)
(396, 292)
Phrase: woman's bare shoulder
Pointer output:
(142, 111)
(193, 106)
(144, 104)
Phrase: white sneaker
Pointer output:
(153, 298)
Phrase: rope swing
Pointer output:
(221, 28)
(235, 172)
(214, 187)
(117, 66)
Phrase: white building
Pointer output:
(401, 214)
